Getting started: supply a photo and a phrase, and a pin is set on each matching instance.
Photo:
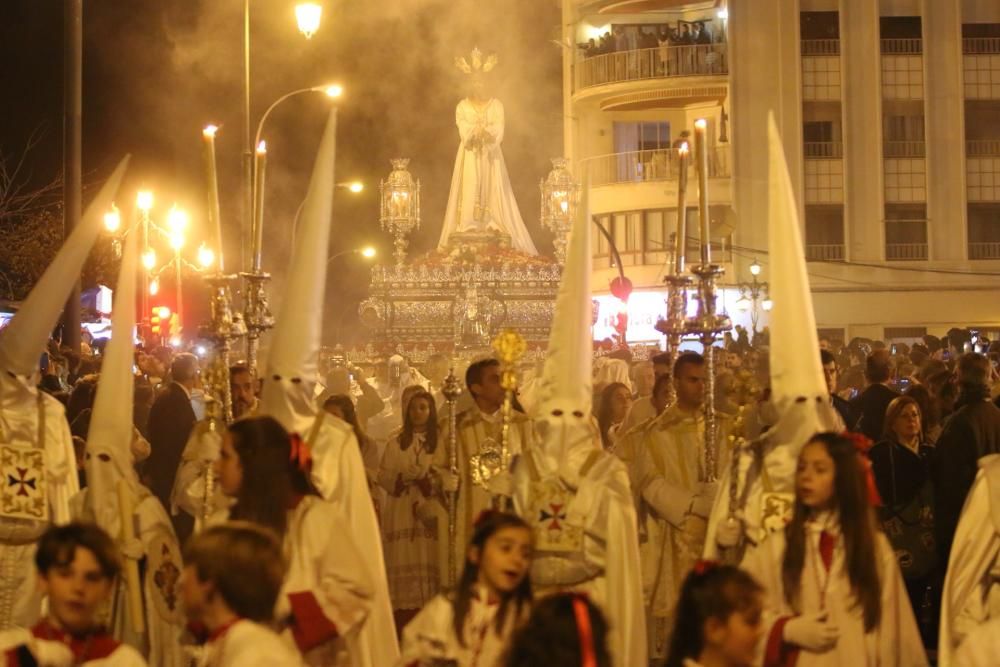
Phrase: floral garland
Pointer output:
(490, 255)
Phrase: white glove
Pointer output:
(729, 532)
(704, 498)
(449, 480)
(133, 549)
(812, 632)
(51, 653)
(501, 484)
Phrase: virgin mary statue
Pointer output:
(481, 201)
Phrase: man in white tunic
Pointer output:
(150, 541)
(481, 198)
(760, 499)
(37, 462)
(574, 494)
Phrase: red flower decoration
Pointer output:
(861, 445)
(703, 566)
(861, 442)
(299, 453)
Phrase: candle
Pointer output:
(212, 181)
(260, 164)
(680, 237)
(701, 154)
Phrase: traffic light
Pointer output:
(159, 321)
(154, 322)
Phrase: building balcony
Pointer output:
(652, 165)
(905, 252)
(823, 150)
(825, 252)
(981, 45)
(820, 47)
(653, 63)
(984, 250)
(982, 148)
(903, 149)
(902, 47)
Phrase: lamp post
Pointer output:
(560, 198)
(400, 206)
(144, 202)
(368, 252)
(753, 293)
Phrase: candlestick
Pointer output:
(214, 218)
(680, 241)
(260, 164)
(701, 151)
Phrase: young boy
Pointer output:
(232, 576)
(77, 564)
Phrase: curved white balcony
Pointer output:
(652, 165)
(653, 63)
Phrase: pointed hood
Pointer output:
(564, 390)
(23, 340)
(797, 385)
(292, 363)
(109, 453)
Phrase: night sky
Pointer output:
(156, 72)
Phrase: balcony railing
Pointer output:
(821, 47)
(651, 165)
(824, 149)
(652, 63)
(982, 148)
(825, 252)
(903, 149)
(975, 45)
(897, 252)
(987, 250)
(902, 47)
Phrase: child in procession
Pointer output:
(718, 618)
(232, 577)
(77, 564)
(834, 593)
(491, 600)
(563, 630)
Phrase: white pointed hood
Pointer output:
(565, 389)
(23, 340)
(292, 369)
(798, 389)
(109, 441)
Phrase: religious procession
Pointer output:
(512, 468)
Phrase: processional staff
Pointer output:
(452, 389)
(510, 346)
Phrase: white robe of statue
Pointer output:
(481, 198)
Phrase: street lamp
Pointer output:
(368, 252)
(400, 205)
(560, 198)
(353, 186)
(752, 293)
(308, 15)
(113, 220)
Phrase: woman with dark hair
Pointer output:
(833, 590)
(327, 591)
(902, 462)
(342, 407)
(410, 529)
(564, 630)
(616, 399)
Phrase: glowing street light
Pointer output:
(113, 220)
(368, 252)
(154, 286)
(356, 186)
(206, 256)
(176, 240)
(308, 15)
(149, 259)
(332, 91)
(144, 200)
(755, 268)
(177, 220)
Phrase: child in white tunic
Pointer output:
(718, 618)
(834, 593)
(232, 576)
(491, 599)
(328, 587)
(409, 530)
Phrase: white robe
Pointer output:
(602, 507)
(980, 648)
(971, 593)
(248, 644)
(481, 198)
(429, 639)
(20, 601)
(52, 653)
(895, 642)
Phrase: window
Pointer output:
(820, 130)
(906, 231)
(819, 25)
(641, 135)
(984, 231)
(899, 27)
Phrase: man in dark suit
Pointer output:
(170, 422)
(871, 405)
(842, 406)
(970, 433)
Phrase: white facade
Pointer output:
(890, 115)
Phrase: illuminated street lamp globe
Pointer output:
(308, 15)
(560, 198)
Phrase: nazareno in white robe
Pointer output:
(248, 644)
(896, 640)
(971, 593)
(481, 197)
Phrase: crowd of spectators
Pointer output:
(632, 37)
